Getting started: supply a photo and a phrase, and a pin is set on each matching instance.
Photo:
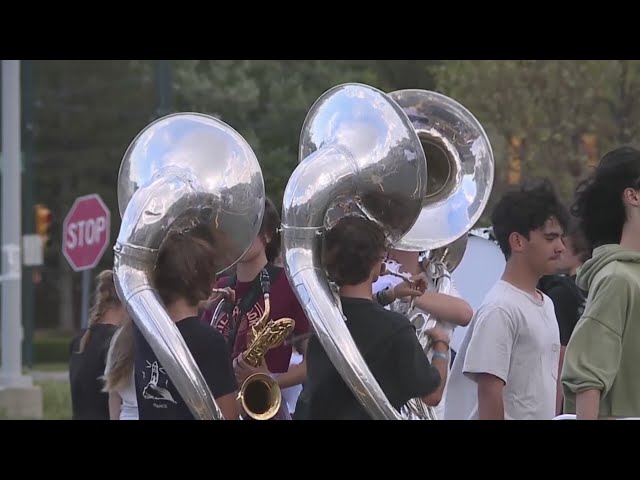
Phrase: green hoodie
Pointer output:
(604, 349)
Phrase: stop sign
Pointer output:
(86, 232)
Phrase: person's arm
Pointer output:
(297, 374)
(488, 358)
(439, 361)
(229, 406)
(565, 304)
(445, 307)
(490, 397)
(115, 405)
(559, 394)
(592, 357)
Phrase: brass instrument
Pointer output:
(359, 155)
(384, 270)
(180, 171)
(439, 265)
(461, 175)
(260, 395)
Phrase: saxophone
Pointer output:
(260, 395)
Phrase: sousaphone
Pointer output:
(461, 174)
(359, 155)
(180, 171)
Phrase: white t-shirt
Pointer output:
(515, 337)
(129, 409)
(390, 281)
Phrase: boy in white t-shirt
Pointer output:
(449, 310)
(507, 365)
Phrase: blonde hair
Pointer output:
(120, 358)
(105, 297)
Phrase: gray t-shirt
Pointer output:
(515, 337)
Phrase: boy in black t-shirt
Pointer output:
(183, 275)
(353, 252)
(568, 299)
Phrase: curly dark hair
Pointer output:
(351, 248)
(525, 210)
(598, 198)
(579, 243)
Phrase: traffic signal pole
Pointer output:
(11, 277)
(28, 287)
(19, 398)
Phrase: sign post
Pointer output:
(86, 234)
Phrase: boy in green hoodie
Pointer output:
(600, 371)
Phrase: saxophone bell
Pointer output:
(260, 397)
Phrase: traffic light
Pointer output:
(514, 162)
(44, 217)
(590, 148)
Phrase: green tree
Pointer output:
(266, 101)
(86, 114)
(551, 105)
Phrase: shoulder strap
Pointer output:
(273, 271)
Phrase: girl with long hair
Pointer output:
(119, 379)
(185, 270)
(88, 352)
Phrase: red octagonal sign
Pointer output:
(86, 232)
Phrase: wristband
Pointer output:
(382, 297)
(440, 355)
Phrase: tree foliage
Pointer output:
(551, 105)
(87, 113)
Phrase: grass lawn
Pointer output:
(56, 397)
(56, 400)
(51, 367)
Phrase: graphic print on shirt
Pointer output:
(157, 388)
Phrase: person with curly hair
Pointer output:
(568, 299)
(599, 375)
(507, 366)
(352, 254)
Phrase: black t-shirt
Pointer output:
(389, 346)
(158, 398)
(88, 402)
(568, 301)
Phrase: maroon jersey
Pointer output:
(284, 304)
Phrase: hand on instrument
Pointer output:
(218, 294)
(412, 287)
(439, 337)
(243, 370)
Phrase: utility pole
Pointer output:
(28, 224)
(17, 395)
